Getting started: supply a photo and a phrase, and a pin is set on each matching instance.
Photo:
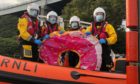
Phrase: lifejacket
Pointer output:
(100, 32)
(48, 28)
(33, 26)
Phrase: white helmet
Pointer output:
(51, 13)
(32, 6)
(99, 9)
(74, 22)
(74, 18)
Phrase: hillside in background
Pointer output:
(8, 32)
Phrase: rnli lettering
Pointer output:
(18, 65)
(25, 67)
(5, 62)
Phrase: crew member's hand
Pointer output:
(88, 33)
(38, 42)
(61, 32)
(46, 37)
(102, 41)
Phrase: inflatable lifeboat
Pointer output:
(85, 52)
(21, 71)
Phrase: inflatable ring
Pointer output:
(87, 48)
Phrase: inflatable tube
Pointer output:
(86, 47)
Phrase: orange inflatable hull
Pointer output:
(24, 71)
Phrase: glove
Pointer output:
(102, 41)
(46, 37)
(88, 33)
(38, 42)
(61, 32)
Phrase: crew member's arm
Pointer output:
(112, 39)
(88, 30)
(61, 28)
(83, 30)
(22, 27)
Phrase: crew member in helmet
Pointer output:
(28, 29)
(51, 25)
(75, 24)
(106, 34)
(69, 58)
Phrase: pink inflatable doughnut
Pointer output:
(87, 48)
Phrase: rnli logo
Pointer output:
(15, 65)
